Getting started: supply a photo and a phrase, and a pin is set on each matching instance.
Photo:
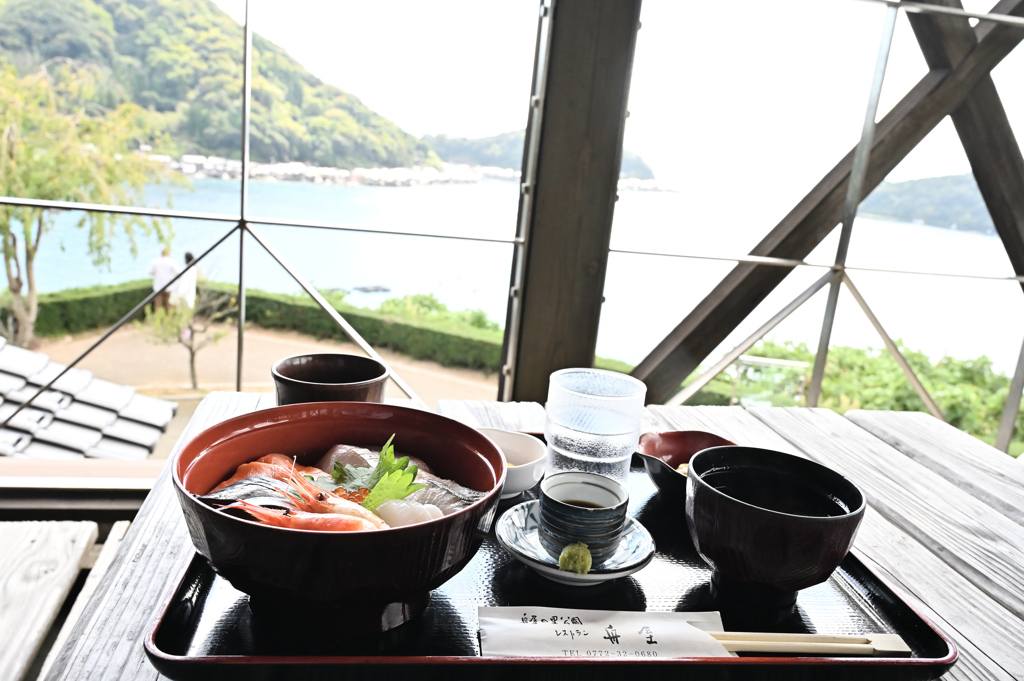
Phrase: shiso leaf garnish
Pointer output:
(394, 485)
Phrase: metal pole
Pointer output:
(121, 322)
(730, 357)
(333, 314)
(246, 110)
(858, 170)
(915, 382)
(528, 180)
(1012, 406)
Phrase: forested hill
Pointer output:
(182, 59)
(506, 151)
(953, 201)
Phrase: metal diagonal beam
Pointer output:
(915, 382)
(937, 95)
(695, 386)
(854, 190)
(333, 314)
(121, 322)
(1011, 408)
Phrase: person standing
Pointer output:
(185, 287)
(163, 270)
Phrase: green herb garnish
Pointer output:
(391, 478)
(352, 478)
(394, 485)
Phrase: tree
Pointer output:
(192, 327)
(57, 145)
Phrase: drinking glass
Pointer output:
(593, 421)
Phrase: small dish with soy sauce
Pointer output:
(666, 457)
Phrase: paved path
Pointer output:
(132, 358)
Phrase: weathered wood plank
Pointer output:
(106, 643)
(986, 633)
(817, 214)
(38, 566)
(523, 416)
(732, 423)
(987, 473)
(589, 66)
(976, 540)
(983, 127)
(96, 571)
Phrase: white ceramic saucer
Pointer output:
(518, 531)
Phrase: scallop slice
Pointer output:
(399, 513)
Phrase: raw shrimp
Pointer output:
(289, 463)
(249, 470)
(312, 499)
(300, 520)
(276, 466)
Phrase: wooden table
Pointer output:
(946, 525)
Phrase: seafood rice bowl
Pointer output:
(363, 507)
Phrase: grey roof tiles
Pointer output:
(72, 383)
(87, 415)
(109, 448)
(78, 438)
(44, 450)
(21, 362)
(80, 415)
(132, 431)
(149, 410)
(106, 394)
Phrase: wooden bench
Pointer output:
(39, 564)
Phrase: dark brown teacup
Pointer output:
(582, 507)
(769, 523)
(329, 377)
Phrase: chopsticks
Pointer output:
(875, 645)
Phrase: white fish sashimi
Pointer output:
(398, 513)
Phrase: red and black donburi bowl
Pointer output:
(376, 580)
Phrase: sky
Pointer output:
(778, 87)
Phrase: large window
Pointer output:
(384, 125)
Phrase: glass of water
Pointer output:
(593, 421)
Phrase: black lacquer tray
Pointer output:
(205, 630)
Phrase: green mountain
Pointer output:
(506, 151)
(182, 59)
(953, 201)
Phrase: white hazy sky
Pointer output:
(770, 92)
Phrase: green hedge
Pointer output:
(468, 347)
(84, 309)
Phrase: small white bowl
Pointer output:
(526, 455)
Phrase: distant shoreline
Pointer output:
(216, 167)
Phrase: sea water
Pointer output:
(646, 297)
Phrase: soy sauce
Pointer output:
(774, 492)
(581, 504)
